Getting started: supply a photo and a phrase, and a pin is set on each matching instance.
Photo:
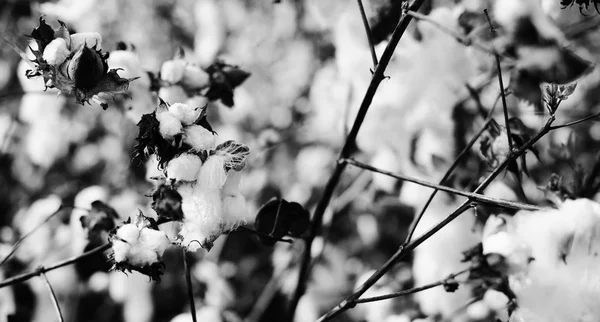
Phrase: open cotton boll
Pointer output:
(195, 77)
(184, 113)
(199, 138)
(56, 52)
(172, 70)
(169, 125)
(155, 240)
(203, 218)
(141, 255)
(185, 167)
(90, 39)
(129, 233)
(212, 173)
(235, 211)
(120, 250)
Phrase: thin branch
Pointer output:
(20, 241)
(453, 166)
(368, 31)
(333, 181)
(410, 291)
(190, 290)
(465, 40)
(40, 270)
(406, 249)
(266, 296)
(587, 118)
(54, 299)
(501, 84)
(473, 196)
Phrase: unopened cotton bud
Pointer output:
(184, 113)
(129, 233)
(169, 125)
(172, 70)
(120, 250)
(155, 240)
(199, 138)
(90, 39)
(185, 167)
(140, 255)
(195, 77)
(212, 173)
(56, 52)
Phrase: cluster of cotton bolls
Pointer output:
(181, 81)
(139, 245)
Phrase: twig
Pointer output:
(575, 122)
(190, 290)
(405, 249)
(40, 270)
(465, 40)
(473, 196)
(368, 31)
(501, 84)
(453, 166)
(410, 291)
(20, 241)
(333, 181)
(54, 299)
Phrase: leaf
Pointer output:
(100, 218)
(566, 90)
(224, 79)
(278, 218)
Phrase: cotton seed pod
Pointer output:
(172, 70)
(90, 39)
(185, 167)
(120, 250)
(56, 52)
(184, 113)
(129, 233)
(169, 125)
(199, 138)
(155, 240)
(140, 255)
(195, 77)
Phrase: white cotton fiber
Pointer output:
(212, 173)
(129, 233)
(56, 52)
(172, 70)
(185, 167)
(90, 39)
(235, 211)
(195, 78)
(184, 113)
(155, 240)
(199, 138)
(169, 125)
(140, 255)
(120, 250)
(232, 183)
(203, 218)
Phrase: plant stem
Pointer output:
(405, 249)
(317, 219)
(54, 299)
(190, 289)
(587, 118)
(365, 21)
(40, 270)
(473, 196)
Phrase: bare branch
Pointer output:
(190, 290)
(54, 299)
(368, 31)
(587, 118)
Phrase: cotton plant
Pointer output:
(200, 182)
(74, 64)
(551, 260)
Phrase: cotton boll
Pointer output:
(169, 125)
(155, 240)
(140, 255)
(184, 113)
(120, 250)
(212, 173)
(172, 70)
(199, 138)
(203, 218)
(185, 167)
(56, 52)
(172, 94)
(195, 77)
(129, 233)
(90, 39)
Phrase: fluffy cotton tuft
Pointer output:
(90, 39)
(232, 183)
(212, 173)
(139, 247)
(235, 211)
(172, 70)
(203, 220)
(155, 240)
(184, 113)
(169, 125)
(199, 138)
(56, 52)
(120, 250)
(129, 233)
(194, 77)
(185, 167)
